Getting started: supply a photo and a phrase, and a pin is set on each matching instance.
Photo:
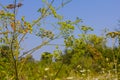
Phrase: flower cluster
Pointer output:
(12, 6)
(45, 33)
(8, 15)
(25, 27)
(66, 26)
(69, 41)
(85, 29)
(66, 29)
(113, 34)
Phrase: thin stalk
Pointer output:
(118, 67)
(114, 59)
(38, 47)
(58, 71)
(12, 43)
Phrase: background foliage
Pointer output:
(85, 57)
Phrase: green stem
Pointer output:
(58, 71)
(12, 44)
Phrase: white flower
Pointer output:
(45, 76)
(57, 79)
(46, 69)
(69, 78)
(82, 71)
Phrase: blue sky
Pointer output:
(98, 14)
(95, 13)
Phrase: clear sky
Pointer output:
(95, 13)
